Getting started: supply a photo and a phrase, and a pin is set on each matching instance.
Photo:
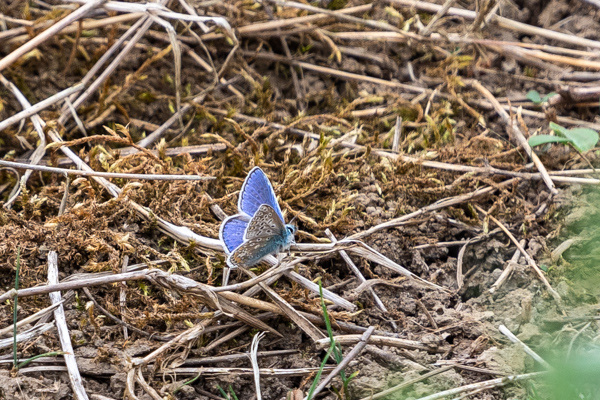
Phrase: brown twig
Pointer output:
(406, 384)
(486, 385)
(156, 177)
(515, 132)
(364, 339)
(503, 22)
(529, 259)
(508, 269)
(8, 60)
(357, 272)
(381, 341)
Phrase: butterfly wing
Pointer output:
(256, 191)
(253, 250)
(232, 232)
(265, 223)
(266, 234)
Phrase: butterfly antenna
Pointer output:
(298, 213)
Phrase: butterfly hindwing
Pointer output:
(253, 250)
(265, 223)
(256, 191)
(232, 232)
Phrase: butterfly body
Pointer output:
(259, 229)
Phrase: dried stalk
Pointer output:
(357, 272)
(63, 331)
(514, 131)
(397, 134)
(30, 319)
(155, 177)
(72, 28)
(336, 72)
(529, 259)
(254, 360)
(123, 296)
(506, 332)
(27, 335)
(327, 294)
(382, 341)
(510, 266)
(96, 281)
(38, 124)
(364, 339)
(444, 203)
(439, 14)
(236, 357)
(485, 385)
(266, 372)
(406, 384)
(307, 327)
(9, 59)
(261, 27)
(503, 23)
(37, 107)
(170, 152)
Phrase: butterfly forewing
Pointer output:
(265, 223)
(256, 191)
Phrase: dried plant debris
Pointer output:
(439, 251)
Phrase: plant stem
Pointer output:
(16, 300)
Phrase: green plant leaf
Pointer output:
(538, 140)
(559, 130)
(583, 139)
(546, 97)
(534, 96)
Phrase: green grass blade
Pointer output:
(337, 352)
(319, 372)
(189, 382)
(223, 393)
(16, 302)
(50, 354)
(232, 393)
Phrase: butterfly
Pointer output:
(259, 229)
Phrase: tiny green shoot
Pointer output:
(320, 372)
(50, 354)
(227, 396)
(334, 349)
(582, 139)
(223, 393)
(16, 301)
(188, 382)
(536, 98)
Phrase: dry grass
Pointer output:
(369, 122)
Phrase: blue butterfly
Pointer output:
(259, 229)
